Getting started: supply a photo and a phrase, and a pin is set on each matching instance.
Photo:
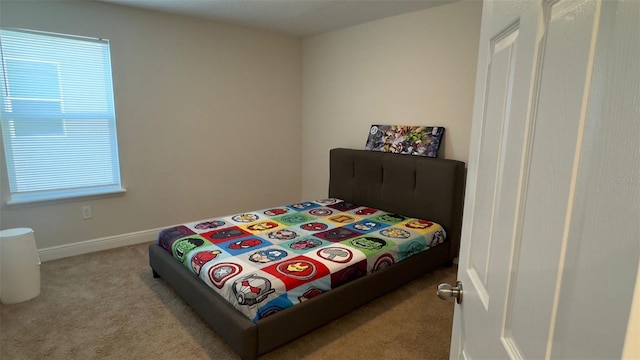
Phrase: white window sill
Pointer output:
(22, 199)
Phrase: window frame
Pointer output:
(8, 136)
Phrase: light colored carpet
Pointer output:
(107, 305)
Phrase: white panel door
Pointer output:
(534, 93)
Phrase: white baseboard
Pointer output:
(105, 243)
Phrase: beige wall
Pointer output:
(413, 69)
(208, 116)
(209, 112)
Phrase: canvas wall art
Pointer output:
(402, 139)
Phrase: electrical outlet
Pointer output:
(86, 212)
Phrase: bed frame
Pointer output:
(420, 187)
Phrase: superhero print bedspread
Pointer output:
(268, 260)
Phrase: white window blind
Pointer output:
(57, 116)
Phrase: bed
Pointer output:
(414, 186)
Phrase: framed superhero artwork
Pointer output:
(401, 139)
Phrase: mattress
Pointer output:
(265, 261)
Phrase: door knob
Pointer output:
(446, 292)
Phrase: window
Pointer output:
(57, 116)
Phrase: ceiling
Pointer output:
(293, 17)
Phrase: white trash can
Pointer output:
(19, 266)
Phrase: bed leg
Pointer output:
(155, 274)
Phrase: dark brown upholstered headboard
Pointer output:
(415, 186)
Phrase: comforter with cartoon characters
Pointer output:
(268, 260)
